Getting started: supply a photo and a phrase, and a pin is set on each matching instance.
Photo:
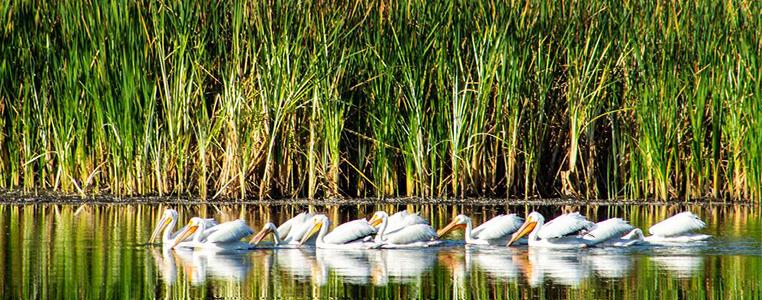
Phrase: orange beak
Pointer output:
(315, 228)
(185, 234)
(375, 221)
(260, 236)
(164, 222)
(525, 229)
(448, 228)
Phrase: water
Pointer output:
(99, 251)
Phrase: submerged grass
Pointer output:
(276, 99)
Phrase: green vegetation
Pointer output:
(273, 99)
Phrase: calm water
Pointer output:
(99, 251)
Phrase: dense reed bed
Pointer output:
(271, 99)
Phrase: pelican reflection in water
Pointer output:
(401, 265)
(301, 265)
(315, 265)
(682, 266)
(562, 267)
(496, 263)
(165, 263)
(199, 266)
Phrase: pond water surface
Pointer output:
(99, 251)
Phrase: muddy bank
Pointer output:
(15, 198)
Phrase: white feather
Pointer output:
(499, 227)
(209, 224)
(411, 234)
(299, 226)
(349, 231)
(679, 224)
(402, 219)
(564, 225)
(285, 228)
(608, 229)
(228, 232)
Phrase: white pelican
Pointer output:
(288, 234)
(349, 235)
(401, 219)
(560, 232)
(225, 236)
(292, 231)
(677, 229)
(408, 236)
(167, 224)
(269, 228)
(496, 231)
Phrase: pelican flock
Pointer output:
(410, 230)
(356, 249)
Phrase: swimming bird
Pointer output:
(496, 231)
(225, 236)
(167, 224)
(401, 219)
(289, 234)
(409, 236)
(679, 228)
(349, 235)
(560, 233)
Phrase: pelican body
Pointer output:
(560, 233)
(408, 236)
(225, 236)
(349, 235)
(679, 228)
(167, 223)
(401, 219)
(496, 231)
(289, 234)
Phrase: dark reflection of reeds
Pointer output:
(98, 251)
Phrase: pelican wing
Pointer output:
(412, 234)
(608, 229)
(349, 231)
(299, 227)
(209, 224)
(403, 218)
(227, 232)
(293, 225)
(679, 224)
(498, 227)
(564, 225)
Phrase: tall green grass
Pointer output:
(271, 99)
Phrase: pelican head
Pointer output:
(195, 224)
(377, 218)
(319, 223)
(267, 229)
(458, 221)
(532, 221)
(167, 218)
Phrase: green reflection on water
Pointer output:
(97, 251)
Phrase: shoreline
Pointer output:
(11, 199)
